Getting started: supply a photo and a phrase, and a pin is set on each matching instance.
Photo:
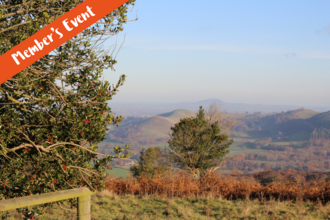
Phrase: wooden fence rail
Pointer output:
(83, 195)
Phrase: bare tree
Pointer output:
(217, 112)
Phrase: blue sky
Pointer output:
(258, 52)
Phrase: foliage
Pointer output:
(268, 176)
(197, 145)
(180, 185)
(150, 161)
(321, 120)
(53, 113)
(321, 133)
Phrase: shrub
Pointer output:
(55, 112)
(151, 160)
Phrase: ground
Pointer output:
(106, 206)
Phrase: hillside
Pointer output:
(302, 114)
(156, 127)
(298, 139)
(177, 114)
(159, 126)
(321, 124)
(291, 124)
(148, 131)
(321, 120)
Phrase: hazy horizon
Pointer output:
(155, 108)
(178, 102)
(273, 53)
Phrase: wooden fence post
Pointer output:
(84, 207)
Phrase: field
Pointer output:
(117, 172)
(107, 205)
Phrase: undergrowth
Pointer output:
(181, 185)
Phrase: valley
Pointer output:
(297, 139)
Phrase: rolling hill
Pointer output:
(296, 125)
(302, 134)
(159, 126)
(155, 129)
(321, 120)
(177, 114)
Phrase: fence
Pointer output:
(83, 195)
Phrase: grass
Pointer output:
(117, 172)
(107, 205)
(235, 146)
(300, 136)
(162, 145)
(177, 114)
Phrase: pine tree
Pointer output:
(151, 161)
(196, 145)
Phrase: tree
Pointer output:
(196, 145)
(268, 176)
(216, 112)
(151, 161)
(55, 112)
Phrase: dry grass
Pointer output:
(216, 187)
(104, 206)
(179, 197)
(108, 205)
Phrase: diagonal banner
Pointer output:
(54, 35)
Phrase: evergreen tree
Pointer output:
(151, 161)
(196, 145)
(55, 112)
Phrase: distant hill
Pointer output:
(155, 129)
(321, 120)
(177, 114)
(159, 126)
(296, 125)
(297, 139)
(151, 109)
(321, 123)
(302, 114)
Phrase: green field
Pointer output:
(118, 172)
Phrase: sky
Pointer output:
(256, 52)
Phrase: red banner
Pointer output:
(54, 35)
